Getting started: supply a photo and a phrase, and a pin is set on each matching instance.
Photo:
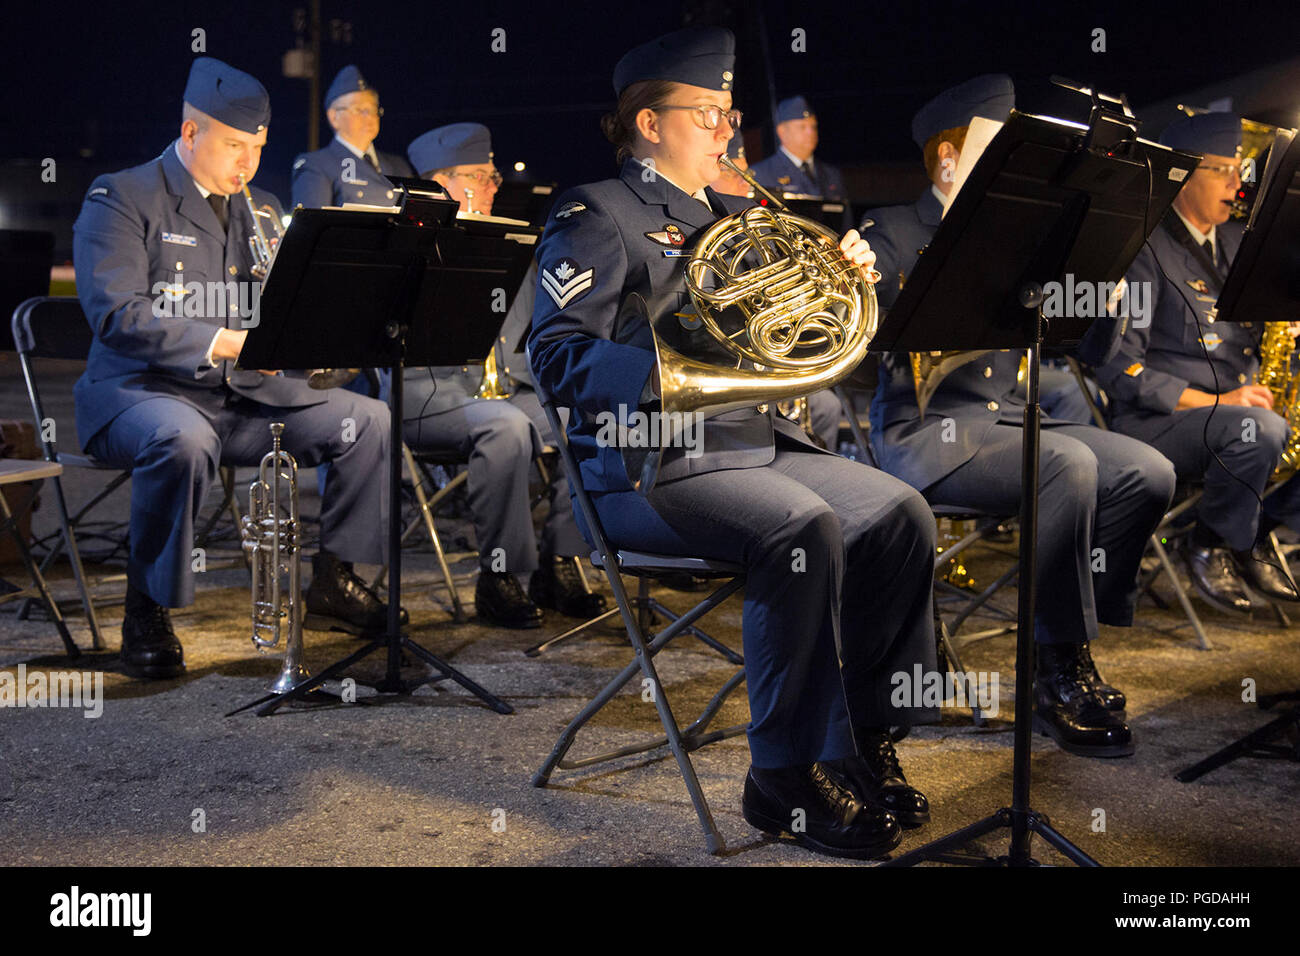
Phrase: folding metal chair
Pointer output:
(615, 564)
(54, 327)
(15, 471)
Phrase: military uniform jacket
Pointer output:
(334, 175)
(1156, 361)
(146, 246)
(778, 172)
(975, 396)
(602, 242)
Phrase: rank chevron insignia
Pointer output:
(566, 281)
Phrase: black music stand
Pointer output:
(353, 288)
(1264, 282)
(1046, 199)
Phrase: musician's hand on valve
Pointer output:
(858, 251)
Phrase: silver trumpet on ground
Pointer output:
(778, 313)
(263, 256)
(271, 533)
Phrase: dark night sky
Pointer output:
(108, 77)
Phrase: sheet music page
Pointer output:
(978, 136)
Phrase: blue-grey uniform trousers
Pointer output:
(500, 438)
(1100, 497)
(175, 449)
(839, 560)
(1249, 441)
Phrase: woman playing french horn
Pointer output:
(838, 555)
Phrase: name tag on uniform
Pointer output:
(178, 239)
(674, 253)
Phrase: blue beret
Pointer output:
(699, 56)
(1217, 133)
(460, 144)
(796, 107)
(992, 96)
(228, 95)
(348, 80)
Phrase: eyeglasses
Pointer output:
(363, 111)
(481, 179)
(1224, 170)
(709, 116)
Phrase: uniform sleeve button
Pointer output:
(1241, 377)
(988, 371)
(993, 406)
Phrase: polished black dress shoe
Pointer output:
(876, 778)
(1112, 696)
(814, 807)
(1068, 708)
(339, 600)
(557, 585)
(1266, 572)
(502, 602)
(150, 649)
(1215, 576)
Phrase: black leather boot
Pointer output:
(339, 600)
(500, 601)
(1070, 710)
(557, 585)
(876, 778)
(815, 807)
(1113, 696)
(150, 649)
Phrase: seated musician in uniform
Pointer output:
(1172, 371)
(820, 642)
(161, 394)
(500, 436)
(350, 168)
(793, 168)
(1099, 490)
(823, 410)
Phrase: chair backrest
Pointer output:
(51, 327)
(573, 473)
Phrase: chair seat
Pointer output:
(69, 460)
(14, 470)
(643, 562)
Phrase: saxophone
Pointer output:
(1275, 352)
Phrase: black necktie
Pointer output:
(219, 206)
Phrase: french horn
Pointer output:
(782, 311)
